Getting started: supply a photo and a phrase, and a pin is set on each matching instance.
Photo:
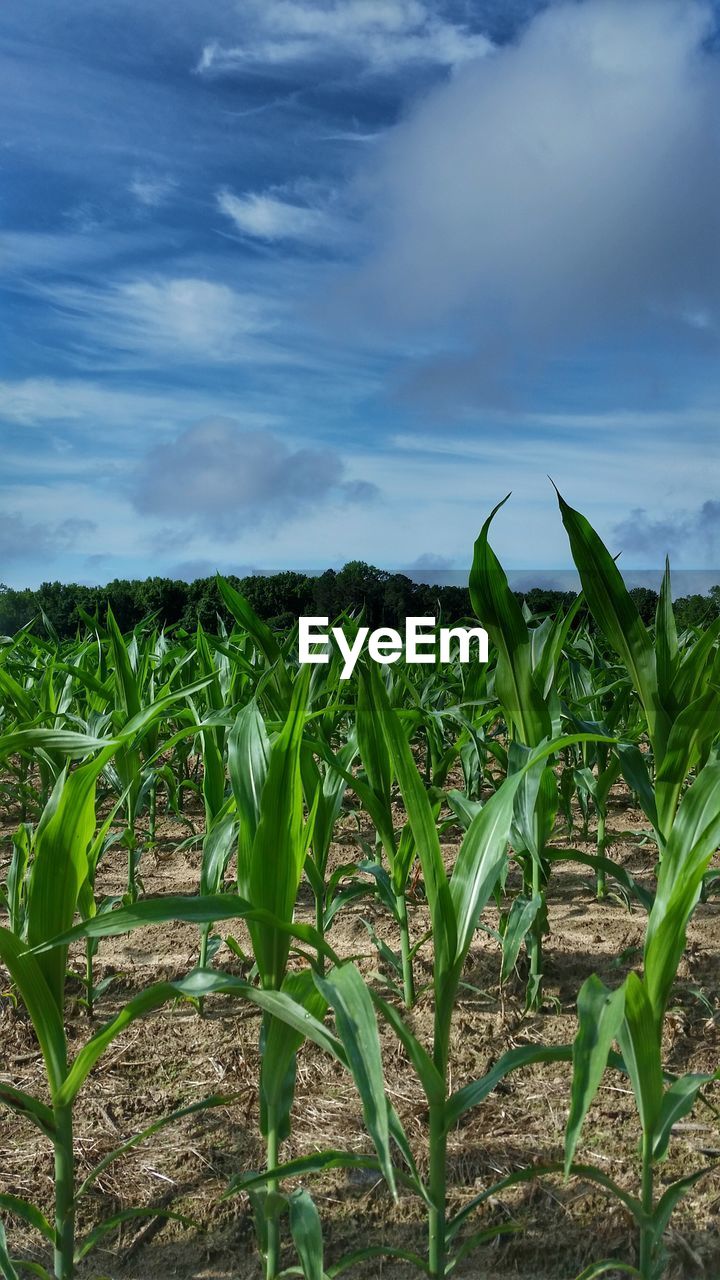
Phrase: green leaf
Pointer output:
(60, 865)
(635, 772)
(8, 1270)
(29, 1214)
(265, 641)
(23, 1104)
(248, 759)
(372, 742)
(127, 691)
(356, 1024)
(427, 1073)
(677, 1102)
(666, 640)
(351, 1260)
(689, 739)
(218, 846)
(193, 910)
(695, 667)
(98, 1233)
(600, 1014)
(672, 1196)
(422, 821)
(26, 973)
(276, 861)
(318, 1162)
(501, 616)
(640, 1041)
(478, 1090)
(279, 1050)
(205, 1104)
(199, 983)
(480, 861)
(306, 1231)
(522, 913)
(616, 614)
(63, 741)
(693, 840)
(529, 1174)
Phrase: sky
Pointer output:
(285, 283)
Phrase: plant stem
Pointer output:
(89, 977)
(131, 880)
(437, 1174)
(152, 818)
(405, 949)
(320, 926)
(647, 1235)
(601, 840)
(534, 942)
(437, 1187)
(64, 1194)
(272, 1256)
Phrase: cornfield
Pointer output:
(412, 972)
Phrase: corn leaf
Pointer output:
(501, 616)
(356, 1024)
(639, 1041)
(693, 840)
(600, 1014)
(276, 860)
(616, 614)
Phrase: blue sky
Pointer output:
(290, 282)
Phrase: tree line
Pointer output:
(280, 598)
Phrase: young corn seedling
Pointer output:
(679, 691)
(456, 904)
(272, 849)
(633, 1015)
(526, 685)
(57, 879)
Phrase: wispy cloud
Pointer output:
(169, 318)
(381, 35)
(267, 216)
(152, 190)
(84, 404)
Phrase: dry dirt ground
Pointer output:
(174, 1057)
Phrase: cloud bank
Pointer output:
(566, 183)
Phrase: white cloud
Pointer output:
(268, 217)
(568, 181)
(163, 317)
(382, 35)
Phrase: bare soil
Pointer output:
(175, 1057)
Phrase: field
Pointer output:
(411, 973)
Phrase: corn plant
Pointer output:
(58, 876)
(455, 904)
(272, 849)
(526, 686)
(679, 690)
(633, 1015)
